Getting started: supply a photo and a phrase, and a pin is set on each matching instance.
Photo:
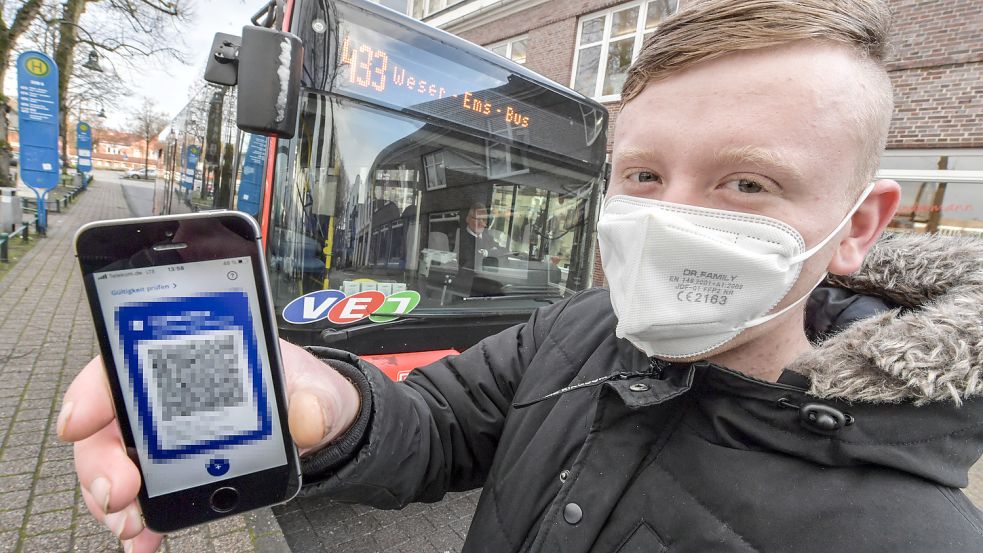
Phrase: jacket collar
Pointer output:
(930, 349)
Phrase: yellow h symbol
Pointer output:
(37, 66)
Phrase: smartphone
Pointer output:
(184, 317)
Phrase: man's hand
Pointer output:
(322, 404)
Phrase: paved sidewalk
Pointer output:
(46, 337)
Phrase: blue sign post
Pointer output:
(83, 146)
(191, 164)
(253, 169)
(37, 100)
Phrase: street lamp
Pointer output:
(92, 63)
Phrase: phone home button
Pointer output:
(224, 499)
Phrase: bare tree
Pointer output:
(148, 123)
(122, 30)
(20, 15)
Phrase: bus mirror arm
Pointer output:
(223, 60)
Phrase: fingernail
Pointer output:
(128, 546)
(63, 416)
(116, 522)
(133, 515)
(99, 488)
(308, 424)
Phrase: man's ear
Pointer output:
(866, 227)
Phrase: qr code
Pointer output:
(198, 375)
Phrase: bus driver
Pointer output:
(684, 409)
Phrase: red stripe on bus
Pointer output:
(397, 366)
(271, 154)
(264, 224)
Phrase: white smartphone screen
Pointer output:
(189, 349)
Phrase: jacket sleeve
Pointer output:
(433, 433)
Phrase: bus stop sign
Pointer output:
(84, 147)
(37, 100)
(191, 165)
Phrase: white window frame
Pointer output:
(508, 47)
(521, 160)
(427, 12)
(409, 5)
(435, 160)
(605, 43)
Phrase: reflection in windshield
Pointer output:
(371, 200)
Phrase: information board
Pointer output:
(84, 146)
(37, 101)
(191, 165)
(253, 170)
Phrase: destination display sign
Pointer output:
(386, 64)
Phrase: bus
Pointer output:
(432, 193)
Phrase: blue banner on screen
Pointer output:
(37, 100)
(190, 166)
(84, 146)
(253, 170)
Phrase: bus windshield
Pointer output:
(370, 199)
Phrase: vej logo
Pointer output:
(338, 308)
(37, 67)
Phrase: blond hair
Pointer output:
(708, 29)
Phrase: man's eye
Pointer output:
(747, 186)
(643, 176)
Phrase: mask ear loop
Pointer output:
(809, 253)
(765, 318)
(806, 255)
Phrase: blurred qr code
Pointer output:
(197, 375)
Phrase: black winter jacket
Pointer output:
(862, 445)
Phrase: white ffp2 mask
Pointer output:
(685, 280)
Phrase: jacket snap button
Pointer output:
(572, 513)
(564, 474)
(639, 387)
(822, 419)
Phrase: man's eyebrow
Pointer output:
(632, 154)
(758, 157)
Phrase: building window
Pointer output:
(435, 170)
(402, 6)
(513, 49)
(426, 8)
(608, 41)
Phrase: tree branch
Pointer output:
(25, 15)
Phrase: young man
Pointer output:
(686, 410)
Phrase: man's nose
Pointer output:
(682, 193)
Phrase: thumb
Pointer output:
(321, 404)
(312, 418)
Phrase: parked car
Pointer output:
(138, 173)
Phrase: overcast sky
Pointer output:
(167, 82)
(168, 86)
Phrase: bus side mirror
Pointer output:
(266, 65)
(270, 66)
(223, 60)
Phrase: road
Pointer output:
(138, 193)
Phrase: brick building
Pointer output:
(936, 139)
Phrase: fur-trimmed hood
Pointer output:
(930, 349)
